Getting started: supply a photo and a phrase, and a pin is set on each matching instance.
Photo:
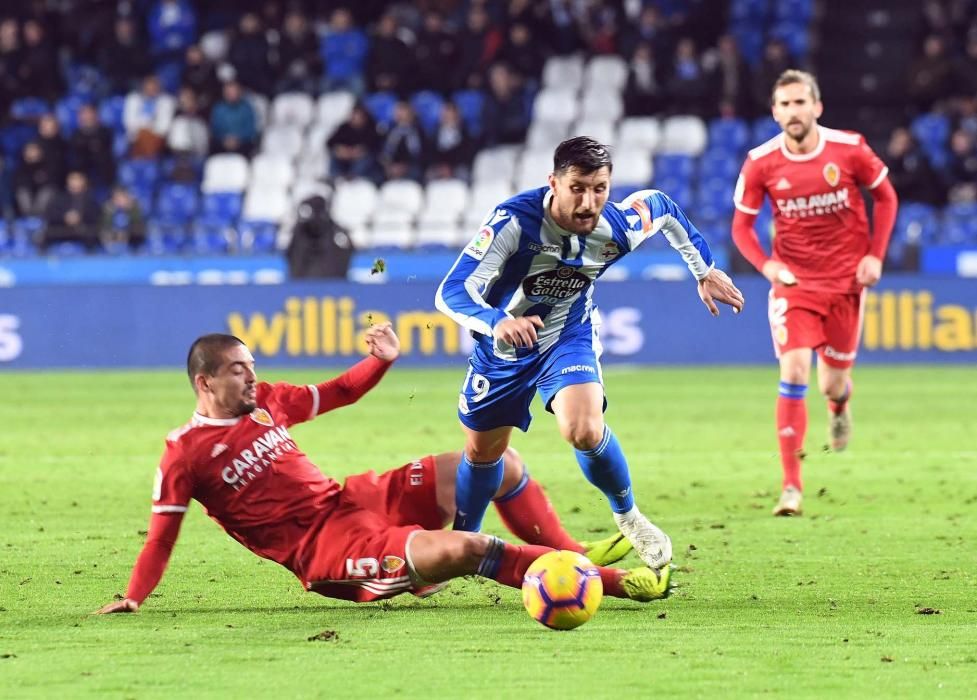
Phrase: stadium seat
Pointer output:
(293, 109)
(29, 108)
(675, 165)
(749, 40)
(799, 11)
(400, 197)
(303, 189)
(66, 111)
(719, 163)
(485, 197)
(533, 169)
(334, 107)
(639, 132)
(439, 236)
(354, 202)
(764, 129)
(265, 203)
(794, 34)
(225, 172)
(141, 173)
(555, 105)
(427, 105)
(260, 104)
(257, 237)
(633, 169)
(752, 11)
(444, 203)
(381, 107)
(606, 71)
(495, 164)
(544, 135)
(282, 140)
(177, 202)
(164, 238)
(391, 235)
(917, 223)
(685, 134)
(597, 128)
(470, 103)
(313, 165)
(215, 44)
(729, 135)
(563, 72)
(271, 170)
(599, 102)
(223, 206)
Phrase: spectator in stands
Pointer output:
(643, 94)
(147, 116)
(649, 29)
(962, 167)
(930, 76)
(233, 122)
(9, 59)
(353, 146)
(775, 61)
(729, 76)
(910, 170)
(200, 75)
(172, 28)
(505, 114)
(436, 48)
(687, 89)
(561, 30)
(7, 209)
(479, 44)
(37, 64)
(598, 28)
(343, 50)
(249, 53)
(965, 68)
(123, 59)
(188, 135)
(319, 247)
(450, 149)
(299, 66)
(72, 215)
(90, 148)
(402, 147)
(34, 181)
(521, 54)
(122, 220)
(389, 66)
(52, 145)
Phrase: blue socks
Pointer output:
(476, 483)
(606, 468)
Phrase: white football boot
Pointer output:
(789, 503)
(649, 542)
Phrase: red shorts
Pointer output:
(359, 552)
(828, 322)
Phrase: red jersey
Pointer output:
(822, 229)
(248, 473)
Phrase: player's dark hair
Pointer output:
(207, 352)
(583, 153)
(793, 76)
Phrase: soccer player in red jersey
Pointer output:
(824, 256)
(372, 538)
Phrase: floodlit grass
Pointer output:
(827, 604)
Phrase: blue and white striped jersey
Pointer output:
(521, 263)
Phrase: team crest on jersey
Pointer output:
(262, 417)
(832, 174)
(391, 563)
(609, 251)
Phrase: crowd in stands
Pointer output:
(122, 121)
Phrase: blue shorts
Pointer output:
(498, 393)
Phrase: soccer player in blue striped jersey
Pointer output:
(524, 287)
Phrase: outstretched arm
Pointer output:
(352, 384)
(151, 563)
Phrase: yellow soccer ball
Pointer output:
(562, 590)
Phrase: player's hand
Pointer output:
(383, 342)
(126, 605)
(777, 272)
(869, 271)
(717, 286)
(518, 332)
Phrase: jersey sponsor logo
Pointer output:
(480, 243)
(262, 417)
(609, 251)
(250, 462)
(832, 174)
(782, 184)
(578, 368)
(390, 563)
(554, 286)
(838, 355)
(815, 205)
(416, 473)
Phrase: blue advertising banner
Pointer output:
(908, 319)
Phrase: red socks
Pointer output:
(837, 406)
(529, 515)
(515, 559)
(791, 429)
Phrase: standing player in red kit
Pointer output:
(372, 538)
(823, 258)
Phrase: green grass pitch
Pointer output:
(824, 605)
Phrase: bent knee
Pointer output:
(585, 435)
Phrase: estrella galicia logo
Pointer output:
(554, 286)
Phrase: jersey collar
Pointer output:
(204, 420)
(801, 157)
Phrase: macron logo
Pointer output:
(219, 448)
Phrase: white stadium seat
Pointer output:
(272, 171)
(334, 107)
(225, 172)
(495, 164)
(545, 136)
(392, 234)
(284, 140)
(260, 104)
(687, 135)
(639, 132)
(633, 167)
(317, 135)
(444, 201)
(294, 108)
(485, 197)
(555, 105)
(303, 189)
(263, 203)
(563, 72)
(214, 45)
(313, 165)
(607, 71)
(601, 103)
(600, 129)
(354, 202)
(534, 168)
(440, 233)
(405, 196)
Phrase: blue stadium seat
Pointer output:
(679, 190)
(115, 248)
(139, 173)
(257, 236)
(83, 81)
(209, 241)
(797, 10)
(764, 129)
(470, 104)
(729, 135)
(225, 206)
(749, 39)
(381, 106)
(164, 238)
(66, 249)
(933, 133)
(752, 11)
(110, 112)
(795, 36)
(917, 223)
(427, 104)
(675, 165)
(14, 137)
(177, 202)
(717, 163)
(29, 108)
(66, 110)
(959, 224)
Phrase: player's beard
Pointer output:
(575, 224)
(797, 136)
